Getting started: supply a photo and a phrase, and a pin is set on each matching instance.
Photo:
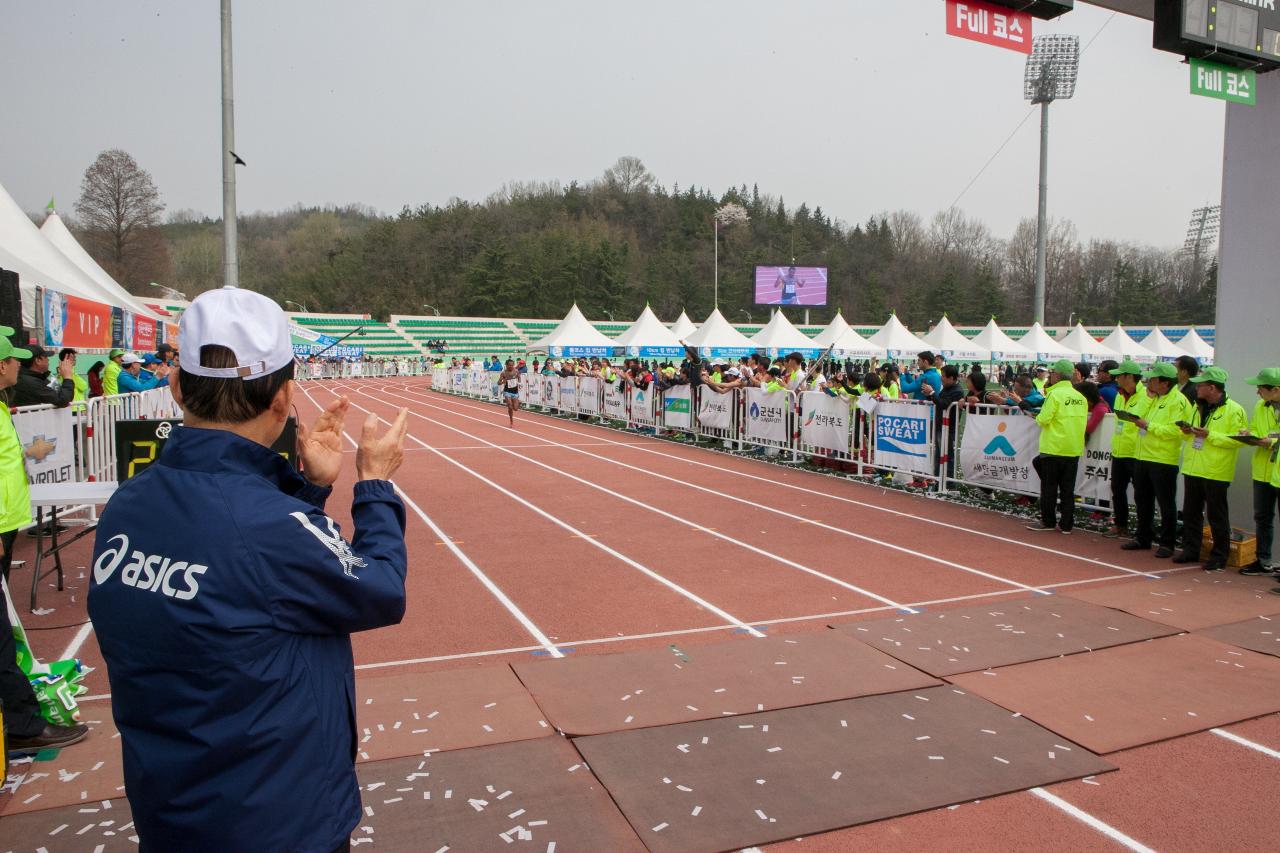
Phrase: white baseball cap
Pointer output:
(131, 358)
(247, 323)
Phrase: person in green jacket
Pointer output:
(1155, 476)
(1275, 484)
(1131, 397)
(81, 384)
(111, 373)
(1062, 422)
(1208, 467)
(1265, 425)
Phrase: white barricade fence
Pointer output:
(48, 443)
(718, 413)
(439, 378)
(614, 403)
(457, 380)
(902, 432)
(825, 425)
(1093, 479)
(589, 395)
(642, 406)
(676, 404)
(526, 389)
(568, 394)
(550, 392)
(997, 445)
(768, 417)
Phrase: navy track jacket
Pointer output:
(223, 599)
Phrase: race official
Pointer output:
(226, 628)
(111, 373)
(1155, 476)
(1208, 467)
(1266, 498)
(1132, 398)
(1062, 421)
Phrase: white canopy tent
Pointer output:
(832, 332)
(897, 340)
(683, 327)
(945, 339)
(1160, 346)
(647, 337)
(1120, 342)
(56, 232)
(574, 337)
(1037, 340)
(780, 337)
(1197, 347)
(1001, 347)
(1081, 341)
(718, 337)
(850, 344)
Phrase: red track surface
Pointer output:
(659, 539)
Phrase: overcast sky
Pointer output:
(859, 106)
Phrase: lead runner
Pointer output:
(509, 383)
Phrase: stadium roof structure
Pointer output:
(945, 339)
(1120, 342)
(1001, 347)
(897, 340)
(1090, 349)
(57, 233)
(1037, 340)
(779, 336)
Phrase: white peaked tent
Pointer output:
(779, 336)
(1161, 347)
(574, 336)
(945, 339)
(850, 344)
(897, 341)
(1079, 340)
(832, 332)
(718, 337)
(1197, 347)
(1120, 342)
(648, 338)
(999, 346)
(1037, 340)
(55, 231)
(683, 327)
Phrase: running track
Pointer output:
(559, 535)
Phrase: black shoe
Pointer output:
(1164, 553)
(1184, 557)
(1256, 568)
(51, 737)
(1135, 545)
(1065, 531)
(1040, 526)
(1213, 565)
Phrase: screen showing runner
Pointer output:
(791, 285)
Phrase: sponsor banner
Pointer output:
(550, 391)
(171, 334)
(642, 411)
(728, 352)
(70, 321)
(1093, 480)
(824, 421)
(767, 415)
(676, 406)
(580, 352)
(997, 450)
(904, 437)
(568, 395)
(665, 353)
(48, 448)
(458, 381)
(715, 411)
(615, 401)
(588, 396)
(144, 334)
(526, 389)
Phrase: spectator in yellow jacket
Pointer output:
(1266, 427)
(1155, 476)
(1208, 467)
(111, 373)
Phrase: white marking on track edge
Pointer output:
(77, 641)
(1232, 736)
(1084, 817)
(696, 599)
(754, 504)
(644, 448)
(488, 584)
(642, 505)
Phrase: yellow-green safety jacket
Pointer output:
(1264, 423)
(1062, 421)
(1124, 439)
(1214, 457)
(1163, 440)
(15, 494)
(111, 378)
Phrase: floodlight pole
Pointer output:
(230, 262)
(1042, 225)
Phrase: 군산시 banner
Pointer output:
(767, 415)
(904, 437)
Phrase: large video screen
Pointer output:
(791, 285)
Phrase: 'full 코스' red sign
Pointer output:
(978, 21)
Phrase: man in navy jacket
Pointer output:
(226, 625)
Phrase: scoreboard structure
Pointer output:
(139, 442)
(1043, 9)
(1241, 33)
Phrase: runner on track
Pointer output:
(789, 287)
(509, 383)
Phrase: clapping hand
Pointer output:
(320, 446)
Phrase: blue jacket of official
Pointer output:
(223, 599)
(912, 385)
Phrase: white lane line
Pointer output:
(642, 505)
(696, 599)
(646, 447)
(751, 503)
(1084, 817)
(77, 641)
(485, 581)
(1232, 736)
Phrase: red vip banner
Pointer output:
(997, 25)
(70, 321)
(144, 334)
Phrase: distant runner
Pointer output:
(788, 285)
(509, 382)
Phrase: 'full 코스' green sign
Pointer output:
(1237, 85)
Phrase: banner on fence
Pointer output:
(458, 381)
(589, 395)
(48, 448)
(70, 321)
(642, 406)
(904, 439)
(998, 449)
(715, 411)
(615, 402)
(550, 391)
(824, 421)
(1093, 479)
(569, 395)
(676, 403)
(767, 415)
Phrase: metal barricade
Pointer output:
(826, 427)
(903, 439)
(718, 414)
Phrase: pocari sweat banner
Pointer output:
(904, 437)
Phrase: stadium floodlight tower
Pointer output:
(1050, 76)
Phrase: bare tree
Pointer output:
(119, 211)
(628, 175)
